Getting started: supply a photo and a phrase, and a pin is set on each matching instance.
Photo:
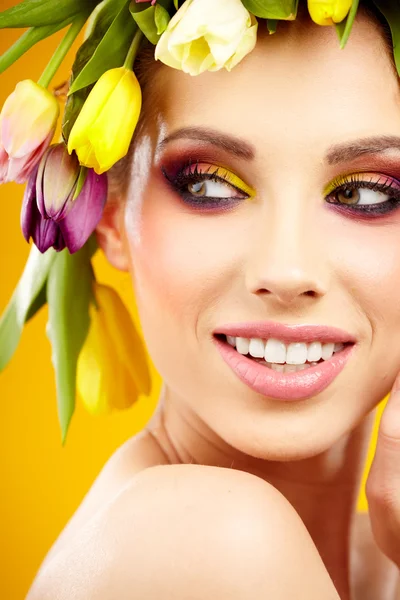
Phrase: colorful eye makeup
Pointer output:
(369, 194)
(203, 185)
(210, 187)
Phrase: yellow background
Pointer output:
(42, 483)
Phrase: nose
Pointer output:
(287, 261)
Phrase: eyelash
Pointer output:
(355, 182)
(186, 176)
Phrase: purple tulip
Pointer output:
(49, 213)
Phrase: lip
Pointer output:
(287, 333)
(284, 386)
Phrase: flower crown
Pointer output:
(93, 338)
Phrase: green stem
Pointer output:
(62, 50)
(130, 57)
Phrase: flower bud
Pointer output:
(102, 133)
(50, 213)
(112, 370)
(27, 124)
(328, 12)
(205, 35)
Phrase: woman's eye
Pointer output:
(354, 196)
(208, 186)
(369, 194)
(213, 189)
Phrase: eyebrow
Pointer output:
(229, 143)
(336, 154)
(352, 150)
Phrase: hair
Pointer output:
(146, 69)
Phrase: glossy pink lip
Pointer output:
(286, 333)
(284, 386)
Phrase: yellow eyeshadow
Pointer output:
(336, 183)
(233, 179)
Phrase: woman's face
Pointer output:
(279, 237)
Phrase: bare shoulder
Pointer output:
(207, 532)
(136, 454)
(375, 576)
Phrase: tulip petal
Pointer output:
(207, 36)
(85, 213)
(19, 169)
(46, 234)
(59, 179)
(27, 117)
(104, 128)
(90, 381)
(29, 210)
(124, 338)
(3, 164)
(96, 100)
(95, 375)
(112, 131)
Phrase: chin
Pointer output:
(287, 431)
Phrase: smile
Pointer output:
(285, 358)
(300, 363)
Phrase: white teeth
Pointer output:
(296, 354)
(256, 348)
(327, 351)
(275, 351)
(278, 354)
(242, 345)
(314, 352)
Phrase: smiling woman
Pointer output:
(258, 215)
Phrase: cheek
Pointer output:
(182, 260)
(367, 259)
(181, 267)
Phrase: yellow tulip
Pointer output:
(328, 12)
(112, 369)
(104, 128)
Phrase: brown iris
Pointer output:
(349, 196)
(198, 188)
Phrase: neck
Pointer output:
(322, 489)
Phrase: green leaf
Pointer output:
(391, 11)
(273, 9)
(69, 292)
(26, 300)
(72, 109)
(35, 13)
(161, 18)
(343, 29)
(29, 39)
(83, 171)
(176, 4)
(272, 25)
(108, 48)
(145, 20)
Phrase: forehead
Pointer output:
(297, 87)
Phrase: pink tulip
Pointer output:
(50, 214)
(27, 124)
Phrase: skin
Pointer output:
(285, 255)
